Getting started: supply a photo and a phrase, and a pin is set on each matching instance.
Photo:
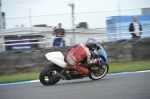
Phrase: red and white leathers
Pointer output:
(76, 55)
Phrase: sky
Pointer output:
(52, 12)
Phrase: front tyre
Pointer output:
(100, 72)
(46, 77)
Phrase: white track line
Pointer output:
(25, 82)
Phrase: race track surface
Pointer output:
(127, 86)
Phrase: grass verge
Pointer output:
(114, 68)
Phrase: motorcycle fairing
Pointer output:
(57, 58)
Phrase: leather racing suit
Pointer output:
(76, 55)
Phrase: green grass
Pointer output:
(129, 66)
(7, 78)
(114, 68)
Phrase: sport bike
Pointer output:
(58, 68)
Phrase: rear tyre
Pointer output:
(46, 77)
(99, 73)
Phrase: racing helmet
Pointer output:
(91, 44)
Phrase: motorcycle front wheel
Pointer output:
(46, 77)
(100, 72)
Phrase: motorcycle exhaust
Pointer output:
(59, 75)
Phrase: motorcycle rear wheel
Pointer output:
(46, 77)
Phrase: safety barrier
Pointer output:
(47, 42)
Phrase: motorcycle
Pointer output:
(58, 69)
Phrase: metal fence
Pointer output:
(22, 21)
(94, 14)
(47, 41)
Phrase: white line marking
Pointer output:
(26, 82)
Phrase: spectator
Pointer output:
(60, 33)
(135, 28)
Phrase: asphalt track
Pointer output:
(122, 86)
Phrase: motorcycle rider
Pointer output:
(76, 55)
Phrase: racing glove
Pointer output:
(96, 60)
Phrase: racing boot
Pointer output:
(82, 71)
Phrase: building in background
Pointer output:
(145, 11)
(82, 25)
(118, 26)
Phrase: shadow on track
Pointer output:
(79, 81)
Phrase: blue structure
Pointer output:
(120, 24)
